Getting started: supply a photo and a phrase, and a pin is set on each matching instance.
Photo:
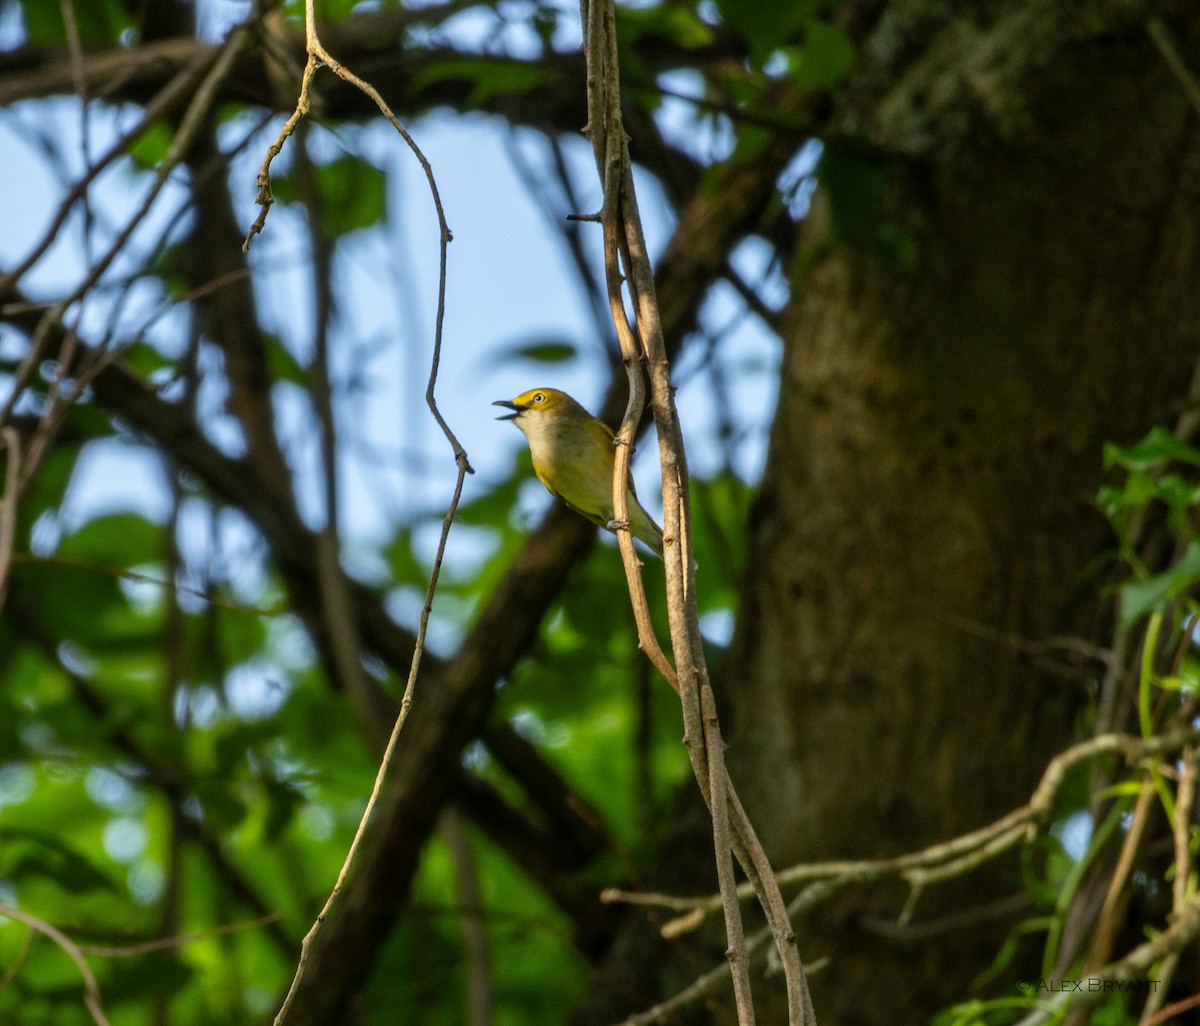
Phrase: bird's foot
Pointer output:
(616, 525)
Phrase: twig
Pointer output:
(908, 932)
(1010, 828)
(1172, 1010)
(384, 764)
(178, 941)
(1182, 885)
(11, 443)
(22, 956)
(193, 119)
(182, 85)
(75, 54)
(1162, 39)
(318, 55)
(919, 877)
(739, 962)
(471, 921)
(91, 988)
(1108, 921)
(1184, 928)
(813, 895)
(121, 573)
(624, 241)
(336, 608)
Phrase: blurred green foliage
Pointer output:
(178, 781)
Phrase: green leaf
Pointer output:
(283, 799)
(1141, 597)
(27, 853)
(221, 805)
(326, 10)
(1140, 488)
(825, 59)
(117, 539)
(353, 196)
(491, 507)
(49, 484)
(1159, 446)
(150, 148)
(1177, 492)
(765, 25)
(85, 605)
(751, 141)
(675, 24)
(489, 77)
(100, 22)
(350, 192)
(545, 350)
(282, 365)
(406, 566)
(145, 360)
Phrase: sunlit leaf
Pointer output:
(99, 22)
(1159, 446)
(151, 147)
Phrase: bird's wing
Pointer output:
(599, 521)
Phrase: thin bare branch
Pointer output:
(624, 243)
(832, 877)
(1010, 829)
(91, 988)
(124, 574)
(1183, 929)
(1184, 883)
(739, 962)
(11, 443)
(318, 55)
(177, 941)
(472, 923)
(1170, 53)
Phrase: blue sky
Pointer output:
(509, 282)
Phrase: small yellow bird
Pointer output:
(573, 457)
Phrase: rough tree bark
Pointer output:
(937, 441)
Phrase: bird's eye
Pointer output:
(539, 398)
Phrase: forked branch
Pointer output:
(318, 56)
(627, 266)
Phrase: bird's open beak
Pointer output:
(510, 405)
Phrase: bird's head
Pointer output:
(542, 405)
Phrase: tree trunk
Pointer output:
(1025, 288)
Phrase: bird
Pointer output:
(573, 454)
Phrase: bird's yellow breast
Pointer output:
(574, 459)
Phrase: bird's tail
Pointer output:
(644, 527)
